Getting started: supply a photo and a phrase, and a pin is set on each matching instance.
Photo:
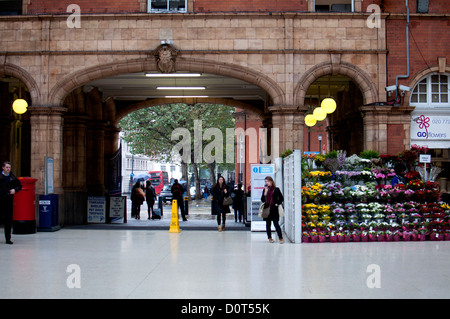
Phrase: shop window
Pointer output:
(333, 5)
(432, 91)
(167, 6)
(10, 7)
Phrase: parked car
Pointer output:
(166, 194)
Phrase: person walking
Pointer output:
(137, 198)
(272, 198)
(238, 203)
(9, 185)
(219, 192)
(177, 194)
(150, 196)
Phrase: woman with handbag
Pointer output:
(272, 199)
(221, 202)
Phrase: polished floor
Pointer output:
(208, 264)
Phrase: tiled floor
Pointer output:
(208, 264)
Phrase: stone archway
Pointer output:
(363, 81)
(72, 81)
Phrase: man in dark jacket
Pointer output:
(9, 185)
(177, 194)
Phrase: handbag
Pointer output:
(280, 210)
(227, 201)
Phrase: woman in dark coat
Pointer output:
(137, 200)
(219, 192)
(272, 198)
(238, 203)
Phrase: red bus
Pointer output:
(158, 180)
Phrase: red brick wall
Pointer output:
(396, 136)
(86, 6)
(250, 5)
(433, 41)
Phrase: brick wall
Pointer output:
(250, 5)
(396, 136)
(86, 6)
(433, 41)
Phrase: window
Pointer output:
(167, 5)
(422, 6)
(10, 7)
(334, 5)
(432, 91)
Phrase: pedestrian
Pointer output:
(220, 191)
(205, 192)
(137, 198)
(272, 198)
(9, 185)
(238, 203)
(150, 196)
(177, 194)
(399, 178)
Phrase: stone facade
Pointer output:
(281, 52)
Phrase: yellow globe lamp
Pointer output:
(20, 106)
(310, 120)
(328, 105)
(319, 114)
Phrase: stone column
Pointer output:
(290, 121)
(380, 123)
(47, 140)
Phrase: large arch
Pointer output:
(74, 80)
(362, 80)
(149, 103)
(25, 77)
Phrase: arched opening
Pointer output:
(91, 123)
(342, 129)
(15, 130)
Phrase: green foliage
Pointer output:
(369, 154)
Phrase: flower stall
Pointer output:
(351, 199)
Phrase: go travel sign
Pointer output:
(431, 131)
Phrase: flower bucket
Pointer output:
(341, 239)
(406, 237)
(447, 236)
(422, 237)
(396, 237)
(356, 238)
(372, 237)
(314, 239)
(436, 236)
(415, 237)
(322, 239)
(381, 237)
(389, 237)
(364, 238)
(333, 239)
(306, 239)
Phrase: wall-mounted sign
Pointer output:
(431, 131)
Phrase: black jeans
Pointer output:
(221, 216)
(6, 211)
(277, 228)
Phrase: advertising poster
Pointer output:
(96, 209)
(258, 174)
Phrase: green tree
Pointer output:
(149, 132)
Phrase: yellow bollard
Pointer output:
(174, 224)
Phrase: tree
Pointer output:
(150, 132)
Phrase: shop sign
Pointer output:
(430, 128)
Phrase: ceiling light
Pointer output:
(180, 88)
(185, 96)
(166, 75)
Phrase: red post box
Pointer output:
(24, 213)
